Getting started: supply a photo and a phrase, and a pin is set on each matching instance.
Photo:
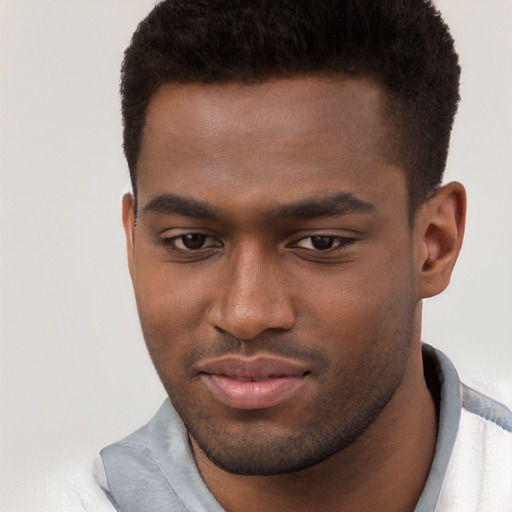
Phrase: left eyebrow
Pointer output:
(341, 203)
(173, 204)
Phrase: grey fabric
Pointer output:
(485, 407)
(453, 396)
(153, 470)
(448, 383)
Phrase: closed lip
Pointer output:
(252, 383)
(253, 368)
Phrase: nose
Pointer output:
(252, 296)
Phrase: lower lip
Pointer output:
(252, 394)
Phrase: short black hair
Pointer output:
(402, 44)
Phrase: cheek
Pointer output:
(365, 301)
(172, 311)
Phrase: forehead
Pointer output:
(299, 137)
(306, 102)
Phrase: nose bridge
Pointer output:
(253, 295)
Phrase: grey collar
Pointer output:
(444, 384)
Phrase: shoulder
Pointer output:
(487, 410)
(73, 488)
(479, 474)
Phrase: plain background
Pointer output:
(74, 371)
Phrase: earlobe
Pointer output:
(128, 214)
(439, 228)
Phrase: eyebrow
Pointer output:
(173, 204)
(340, 203)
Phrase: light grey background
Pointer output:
(75, 375)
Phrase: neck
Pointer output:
(391, 458)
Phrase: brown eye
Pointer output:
(189, 243)
(322, 243)
(193, 240)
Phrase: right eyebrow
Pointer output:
(174, 204)
(337, 203)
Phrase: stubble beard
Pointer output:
(254, 448)
(352, 399)
(256, 452)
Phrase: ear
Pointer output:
(439, 230)
(128, 210)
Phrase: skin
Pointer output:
(234, 184)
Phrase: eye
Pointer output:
(190, 242)
(323, 243)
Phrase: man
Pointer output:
(286, 222)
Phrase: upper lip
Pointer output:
(257, 367)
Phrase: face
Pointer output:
(272, 266)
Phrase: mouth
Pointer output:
(253, 383)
